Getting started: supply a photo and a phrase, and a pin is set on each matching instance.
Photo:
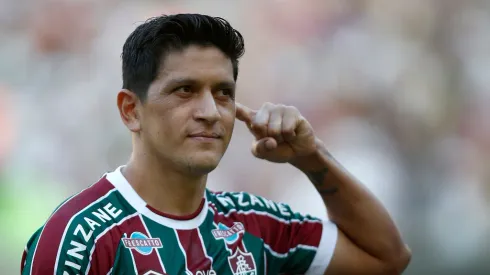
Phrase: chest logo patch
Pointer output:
(242, 263)
(229, 234)
(141, 243)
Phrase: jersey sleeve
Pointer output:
(301, 244)
(64, 248)
(293, 243)
(45, 255)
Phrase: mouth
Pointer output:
(206, 135)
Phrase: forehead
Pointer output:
(196, 62)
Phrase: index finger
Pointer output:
(244, 113)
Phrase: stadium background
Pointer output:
(399, 90)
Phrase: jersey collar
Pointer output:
(127, 191)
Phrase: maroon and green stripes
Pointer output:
(43, 255)
(99, 232)
(290, 239)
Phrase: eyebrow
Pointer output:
(190, 81)
(182, 81)
(225, 84)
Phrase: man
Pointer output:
(155, 216)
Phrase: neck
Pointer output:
(164, 188)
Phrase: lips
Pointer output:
(206, 135)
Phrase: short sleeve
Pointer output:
(303, 244)
(293, 243)
(325, 249)
(69, 257)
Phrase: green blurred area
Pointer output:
(25, 204)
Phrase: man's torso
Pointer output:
(110, 230)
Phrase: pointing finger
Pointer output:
(244, 113)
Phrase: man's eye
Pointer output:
(183, 89)
(225, 92)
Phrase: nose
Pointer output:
(207, 110)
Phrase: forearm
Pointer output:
(357, 213)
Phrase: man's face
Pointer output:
(188, 116)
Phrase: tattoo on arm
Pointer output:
(318, 179)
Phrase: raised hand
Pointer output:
(282, 134)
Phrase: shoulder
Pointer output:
(247, 203)
(77, 206)
(244, 201)
(70, 233)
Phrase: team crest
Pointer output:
(141, 243)
(229, 234)
(242, 263)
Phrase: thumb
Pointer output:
(261, 147)
(244, 113)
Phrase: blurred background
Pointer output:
(398, 90)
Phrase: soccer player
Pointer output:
(154, 215)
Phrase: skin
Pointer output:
(192, 97)
(368, 240)
(173, 153)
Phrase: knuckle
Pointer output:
(292, 109)
(262, 118)
(268, 105)
(260, 122)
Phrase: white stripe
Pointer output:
(183, 252)
(71, 220)
(291, 250)
(101, 234)
(204, 247)
(156, 250)
(325, 250)
(41, 234)
(265, 213)
(38, 240)
(265, 263)
(25, 261)
(243, 243)
(110, 271)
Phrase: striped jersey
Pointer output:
(108, 229)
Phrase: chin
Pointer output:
(201, 170)
(204, 164)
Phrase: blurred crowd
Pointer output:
(398, 90)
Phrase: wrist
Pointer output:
(316, 161)
(316, 167)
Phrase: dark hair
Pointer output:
(146, 46)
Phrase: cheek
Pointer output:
(164, 123)
(228, 119)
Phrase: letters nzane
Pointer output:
(104, 214)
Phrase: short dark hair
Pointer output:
(146, 46)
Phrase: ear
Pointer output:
(129, 104)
